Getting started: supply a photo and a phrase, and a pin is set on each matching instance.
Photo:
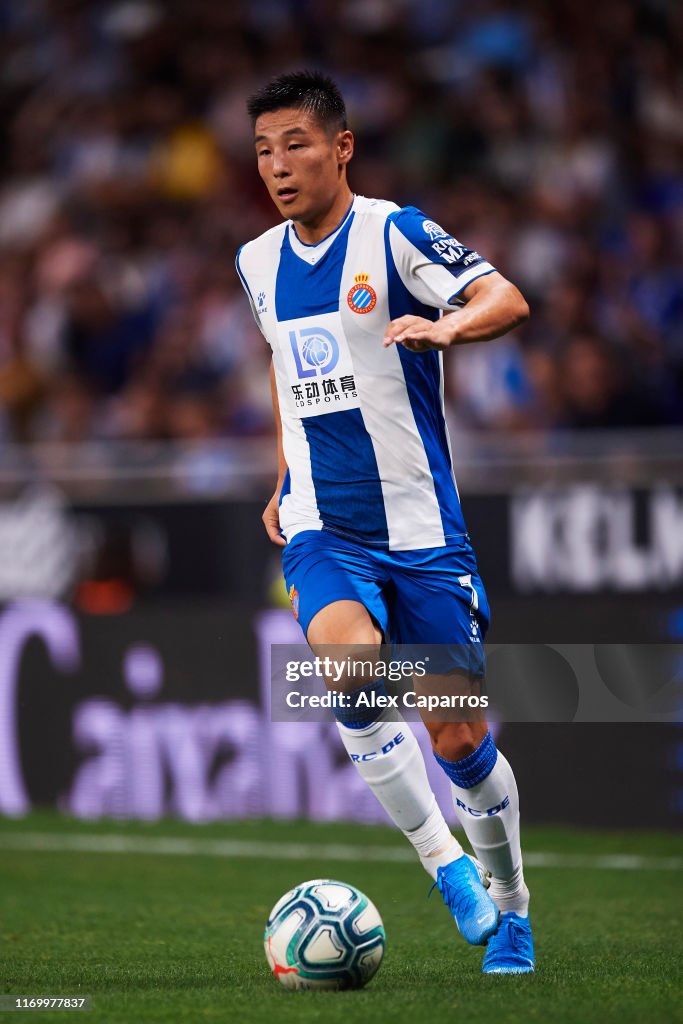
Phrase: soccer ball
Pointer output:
(316, 351)
(324, 934)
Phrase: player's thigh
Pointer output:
(343, 622)
(335, 588)
(348, 641)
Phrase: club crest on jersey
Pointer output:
(362, 297)
(294, 599)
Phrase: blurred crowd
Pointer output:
(547, 134)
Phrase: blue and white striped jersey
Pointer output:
(363, 426)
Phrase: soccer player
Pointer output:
(349, 293)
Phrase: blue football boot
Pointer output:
(511, 949)
(473, 910)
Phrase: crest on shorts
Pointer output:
(294, 599)
(362, 297)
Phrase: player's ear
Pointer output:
(344, 146)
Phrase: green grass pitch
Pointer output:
(158, 937)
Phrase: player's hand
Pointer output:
(271, 520)
(419, 335)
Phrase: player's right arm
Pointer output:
(443, 273)
(271, 515)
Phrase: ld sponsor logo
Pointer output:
(315, 351)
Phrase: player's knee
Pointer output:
(454, 741)
(361, 707)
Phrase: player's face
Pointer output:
(301, 162)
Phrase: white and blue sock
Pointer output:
(487, 804)
(387, 755)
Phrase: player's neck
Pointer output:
(320, 227)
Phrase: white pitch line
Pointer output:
(48, 842)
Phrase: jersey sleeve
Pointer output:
(245, 285)
(433, 265)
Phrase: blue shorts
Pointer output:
(428, 596)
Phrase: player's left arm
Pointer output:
(493, 306)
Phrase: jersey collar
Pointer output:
(314, 253)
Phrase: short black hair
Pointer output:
(305, 90)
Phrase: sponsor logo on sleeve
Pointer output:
(433, 230)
